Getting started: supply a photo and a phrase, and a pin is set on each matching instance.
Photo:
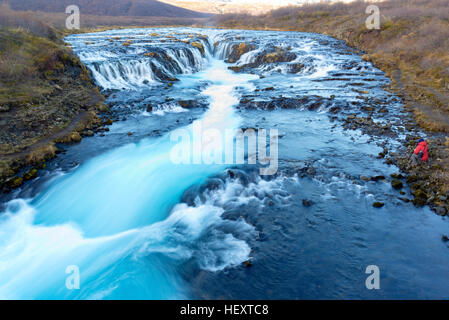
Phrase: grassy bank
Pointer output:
(46, 96)
(411, 47)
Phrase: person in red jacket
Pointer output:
(421, 153)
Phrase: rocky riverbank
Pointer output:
(411, 48)
(46, 98)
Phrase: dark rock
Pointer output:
(4, 108)
(149, 108)
(396, 184)
(295, 68)
(378, 178)
(189, 104)
(396, 176)
(420, 197)
(365, 178)
(367, 108)
(378, 204)
(441, 211)
(307, 203)
(444, 238)
(311, 171)
(247, 263)
(14, 182)
(238, 50)
(30, 174)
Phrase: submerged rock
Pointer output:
(396, 176)
(378, 204)
(247, 263)
(296, 68)
(441, 211)
(396, 184)
(307, 203)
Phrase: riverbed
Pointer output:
(139, 226)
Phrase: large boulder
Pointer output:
(238, 50)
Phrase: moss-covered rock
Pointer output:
(238, 50)
(200, 46)
(14, 182)
(396, 184)
(420, 197)
(32, 173)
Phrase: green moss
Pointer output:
(30, 174)
(15, 182)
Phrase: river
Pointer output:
(139, 226)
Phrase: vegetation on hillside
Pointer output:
(132, 8)
(46, 94)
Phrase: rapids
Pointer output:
(139, 226)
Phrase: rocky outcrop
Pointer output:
(271, 55)
(238, 50)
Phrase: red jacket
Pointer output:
(422, 146)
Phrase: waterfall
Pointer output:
(141, 62)
(117, 217)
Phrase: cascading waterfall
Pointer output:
(137, 225)
(111, 216)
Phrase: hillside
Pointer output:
(240, 6)
(223, 7)
(134, 8)
(46, 96)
